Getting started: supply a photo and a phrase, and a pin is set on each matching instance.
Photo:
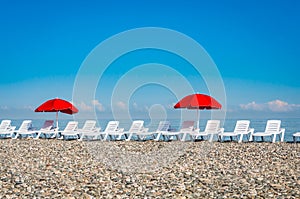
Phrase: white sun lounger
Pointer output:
(25, 129)
(89, 130)
(144, 134)
(163, 126)
(47, 129)
(112, 130)
(241, 128)
(272, 129)
(70, 131)
(6, 130)
(212, 128)
(186, 127)
(137, 128)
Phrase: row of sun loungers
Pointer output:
(137, 131)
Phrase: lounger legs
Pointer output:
(37, 136)
(129, 137)
(211, 137)
(282, 135)
(16, 136)
(241, 138)
(251, 137)
(184, 137)
(220, 138)
(105, 137)
(157, 137)
(274, 138)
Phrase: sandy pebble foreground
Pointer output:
(72, 169)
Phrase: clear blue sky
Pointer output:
(255, 45)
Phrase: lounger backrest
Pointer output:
(89, 125)
(26, 124)
(48, 124)
(187, 125)
(242, 126)
(5, 124)
(71, 126)
(212, 126)
(136, 126)
(112, 126)
(163, 126)
(273, 126)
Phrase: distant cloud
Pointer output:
(84, 107)
(146, 108)
(121, 105)
(139, 108)
(28, 108)
(89, 107)
(98, 105)
(252, 106)
(274, 106)
(281, 106)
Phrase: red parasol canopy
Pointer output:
(198, 101)
(57, 105)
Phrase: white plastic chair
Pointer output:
(47, 129)
(241, 128)
(70, 130)
(212, 128)
(89, 130)
(6, 129)
(163, 127)
(112, 129)
(186, 127)
(272, 129)
(25, 129)
(137, 128)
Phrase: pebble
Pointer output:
(71, 169)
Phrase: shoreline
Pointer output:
(72, 169)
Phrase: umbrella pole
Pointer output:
(198, 117)
(56, 119)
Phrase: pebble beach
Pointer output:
(72, 169)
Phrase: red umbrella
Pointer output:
(57, 105)
(198, 101)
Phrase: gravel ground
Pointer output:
(71, 169)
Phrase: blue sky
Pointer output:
(254, 44)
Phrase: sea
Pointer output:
(291, 125)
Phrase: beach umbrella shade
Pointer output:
(57, 105)
(198, 102)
